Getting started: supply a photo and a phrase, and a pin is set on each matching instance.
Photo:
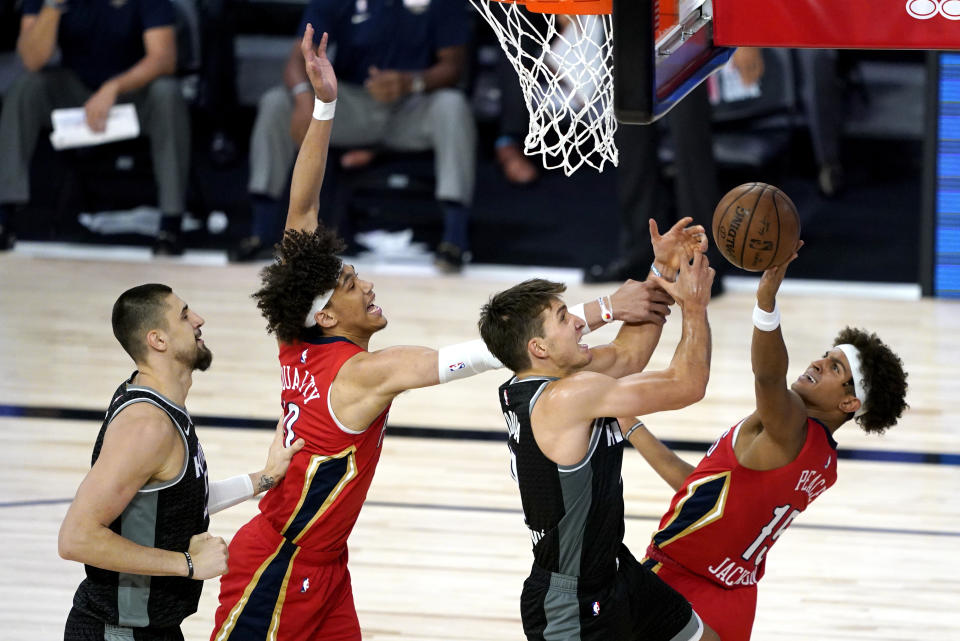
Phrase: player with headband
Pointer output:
(713, 542)
(288, 575)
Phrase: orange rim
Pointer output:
(568, 7)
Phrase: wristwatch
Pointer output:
(417, 83)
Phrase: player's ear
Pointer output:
(157, 339)
(536, 347)
(326, 319)
(849, 404)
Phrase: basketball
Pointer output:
(756, 226)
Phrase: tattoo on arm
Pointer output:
(265, 483)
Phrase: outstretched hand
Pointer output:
(319, 69)
(678, 244)
(772, 279)
(640, 302)
(692, 289)
(278, 458)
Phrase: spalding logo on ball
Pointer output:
(756, 226)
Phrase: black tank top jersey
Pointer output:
(162, 515)
(575, 512)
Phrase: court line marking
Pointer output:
(401, 505)
(66, 413)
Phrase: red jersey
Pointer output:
(318, 502)
(725, 518)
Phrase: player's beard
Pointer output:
(203, 358)
(199, 359)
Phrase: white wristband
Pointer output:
(324, 110)
(766, 321)
(606, 313)
(465, 359)
(578, 310)
(229, 492)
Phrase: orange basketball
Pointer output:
(756, 226)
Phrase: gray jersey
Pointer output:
(162, 515)
(575, 512)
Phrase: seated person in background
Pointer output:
(398, 65)
(110, 52)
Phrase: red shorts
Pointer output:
(277, 590)
(729, 612)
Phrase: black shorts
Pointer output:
(631, 605)
(83, 627)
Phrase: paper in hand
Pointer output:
(70, 127)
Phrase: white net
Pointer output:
(564, 63)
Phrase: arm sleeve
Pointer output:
(451, 24)
(465, 359)
(229, 492)
(32, 7)
(157, 13)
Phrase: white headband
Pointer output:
(859, 384)
(320, 302)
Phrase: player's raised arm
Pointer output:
(584, 396)
(780, 410)
(645, 306)
(312, 158)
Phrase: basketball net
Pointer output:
(564, 63)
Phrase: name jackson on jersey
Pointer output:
(731, 572)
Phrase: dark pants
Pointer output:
(640, 190)
(26, 112)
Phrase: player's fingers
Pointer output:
(297, 445)
(657, 295)
(694, 263)
(659, 309)
(322, 49)
(695, 230)
(306, 44)
(681, 224)
(654, 231)
(664, 284)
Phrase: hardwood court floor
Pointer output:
(440, 550)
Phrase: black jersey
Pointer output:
(162, 515)
(574, 512)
